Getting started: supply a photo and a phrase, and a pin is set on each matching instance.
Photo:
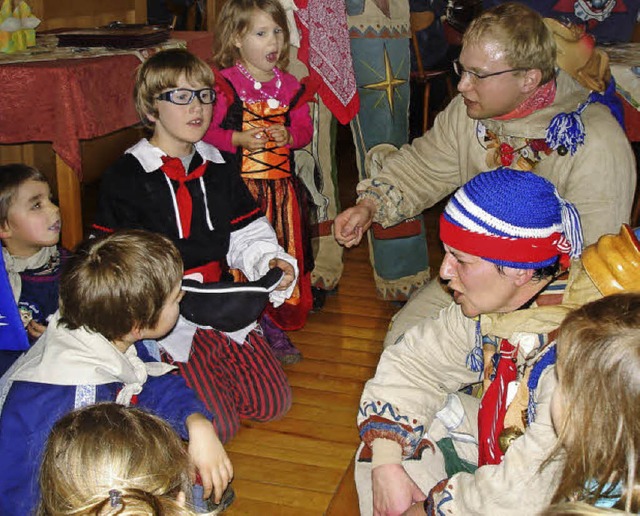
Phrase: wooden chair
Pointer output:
(420, 21)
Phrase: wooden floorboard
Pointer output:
(303, 464)
(296, 466)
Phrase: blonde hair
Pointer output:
(521, 32)
(234, 21)
(109, 453)
(163, 71)
(571, 508)
(599, 369)
(118, 282)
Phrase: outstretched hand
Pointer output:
(350, 225)
(393, 490)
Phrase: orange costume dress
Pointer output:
(269, 173)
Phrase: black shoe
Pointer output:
(319, 299)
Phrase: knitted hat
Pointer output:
(512, 218)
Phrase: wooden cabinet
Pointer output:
(55, 14)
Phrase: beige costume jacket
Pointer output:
(413, 385)
(599, 178)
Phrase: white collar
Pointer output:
(80, 357)
(150, 156)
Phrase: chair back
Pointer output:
(419, 21)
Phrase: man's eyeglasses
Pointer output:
(474, 76)
(183, 96)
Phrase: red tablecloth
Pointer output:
(70, 100)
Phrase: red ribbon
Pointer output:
(493, 407)
(174, 169)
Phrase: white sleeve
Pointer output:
(250, 250)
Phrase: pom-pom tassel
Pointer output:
(566, 130)
(571, 227)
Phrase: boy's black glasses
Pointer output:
(461, 70)
(183, 96)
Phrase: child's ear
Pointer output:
(5, 230)
(137, 332)
(150, 117)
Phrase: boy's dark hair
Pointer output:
(12, 177)
(162, 71)
(119, 282)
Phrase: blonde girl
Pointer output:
(260, 116)
(596, 406)
(109, 459)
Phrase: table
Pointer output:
(66, 101)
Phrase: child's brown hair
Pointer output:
(119, 282)
(599, 372)
(110, 459)
(234, 21)
(162, 71)
(12, 177)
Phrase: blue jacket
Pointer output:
(31, 409)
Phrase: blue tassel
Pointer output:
(611, 100)
(566, 130)
(571, 226)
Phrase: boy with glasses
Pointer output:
(514, 109)
(179, 186)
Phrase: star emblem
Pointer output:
(389, 83)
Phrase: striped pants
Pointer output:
(236, 381)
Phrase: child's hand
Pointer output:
(209, 457)
(289, 273)
(251, 139)
(35, 330)
(279, 134)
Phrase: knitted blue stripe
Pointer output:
(548, 359)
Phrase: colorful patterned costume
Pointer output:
(236, 377)
(413, 403)
(599, 178)
(270, 173)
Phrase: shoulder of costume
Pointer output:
(224, 83)
(150, 157)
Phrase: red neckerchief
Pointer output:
(174, 169)
(542, 97)
(493, 407)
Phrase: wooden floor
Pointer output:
(300, 464)
(294, 466)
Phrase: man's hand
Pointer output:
(350, 225)
(393, 490)
(289, 272)
(208, 455)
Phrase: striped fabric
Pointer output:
(236, 381)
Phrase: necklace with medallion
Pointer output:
(271, 100)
